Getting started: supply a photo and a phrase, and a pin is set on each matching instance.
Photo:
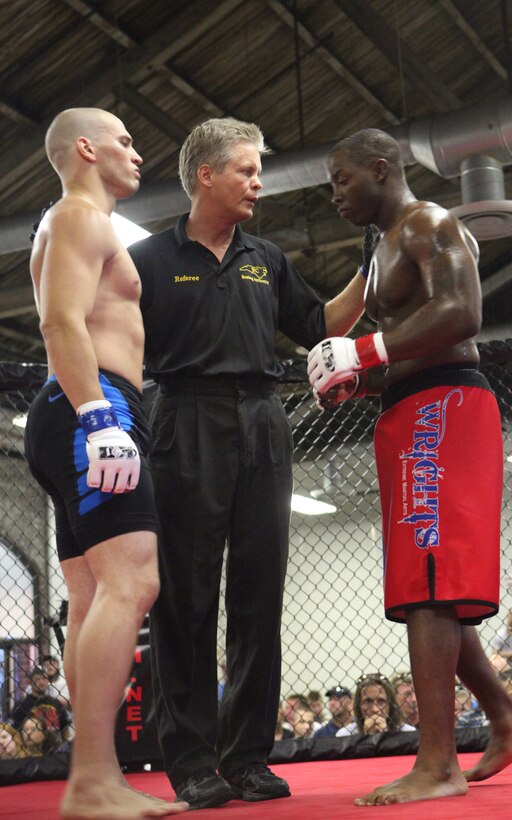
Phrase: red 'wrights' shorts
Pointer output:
(439, 453)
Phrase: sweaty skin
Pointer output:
(87, 296)
(423, 291)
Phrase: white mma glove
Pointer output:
(114, 461)
(337, 359)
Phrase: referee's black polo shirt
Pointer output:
(205, 318)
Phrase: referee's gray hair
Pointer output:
(211, 143)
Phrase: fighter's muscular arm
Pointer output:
(78, 243)
(449, 311)
(426, 298)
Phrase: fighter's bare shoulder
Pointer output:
(78, 223)
(422, 217)
(429, 227)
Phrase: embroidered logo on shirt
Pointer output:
(179, 279)
(255, 273)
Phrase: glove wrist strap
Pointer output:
(371, 350)
(97, 415)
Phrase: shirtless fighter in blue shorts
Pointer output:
(86, 440)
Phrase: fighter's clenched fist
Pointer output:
(337, 359)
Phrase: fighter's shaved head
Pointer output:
(68, 126)
(367, 145)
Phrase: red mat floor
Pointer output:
(320, 791)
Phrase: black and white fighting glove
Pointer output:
(114, 461)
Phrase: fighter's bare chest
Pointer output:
(392, 284)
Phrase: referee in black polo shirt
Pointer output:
(213, 298)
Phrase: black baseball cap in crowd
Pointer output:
(338, 692)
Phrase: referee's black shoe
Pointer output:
(254, 782)
(204, 789)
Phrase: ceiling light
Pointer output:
(310, 506)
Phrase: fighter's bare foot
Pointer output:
(158, 800)
(496, 757)
(417, 785)
(123, 781)
(112, 801)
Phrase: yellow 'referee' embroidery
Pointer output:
(255, 273)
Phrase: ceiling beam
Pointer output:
(13, 111)
(385, 39)
(475, 39)
(102, 22)
(185, 86)
(101, 90)
(136, 100)
(168, 73)
(496, 281)
(16, 301)
(154, 114)
(331, 60)
(11, 331)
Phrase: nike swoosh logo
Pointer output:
(57, 396)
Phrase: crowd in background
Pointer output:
(375, 704)
(41, 722)
(378, 704)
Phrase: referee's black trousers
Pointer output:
(222, 468)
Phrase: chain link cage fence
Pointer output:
(333, 625)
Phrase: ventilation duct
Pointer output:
(474, 143)
(484, 209)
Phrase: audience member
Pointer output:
(37, 738)
(317, 706)
(11, 745)
(375, 708)
(406, 697)
(58, 687)
(305, 723)
(498, 663)
(223, 665)
(502, 642)
(466, 714)
(340, 705)
(506, 678)
(282, 732)
(462, 702)
(291, 706)
(38, 703)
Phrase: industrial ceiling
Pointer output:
(435, 73)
